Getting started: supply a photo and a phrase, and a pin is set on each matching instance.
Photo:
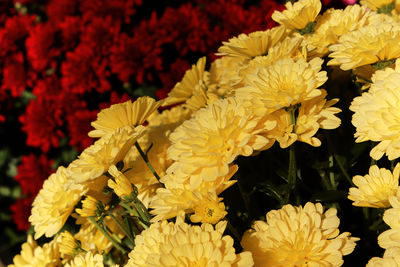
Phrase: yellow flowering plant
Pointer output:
(254, 159)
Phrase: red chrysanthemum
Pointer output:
(21, 210)
(84, 71)
(40, 46)
(78, 128)
(58, 10)
(32, 171)
(15, 77)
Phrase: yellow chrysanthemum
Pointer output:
(86, 260)
(333, 24)
(174, 115)
(382, 6)
(55, 202)
(120, 184)
(194, 78)
(299, 16)
(375, 188)
(391, 258)
(210, 210)
(124, 114)
(377, 114)
(290, 47)
(179, 196)
(312, 115)
(33, 255)
(97, 158)
(298, 236)
(205, 145)
(372, 44)
(246, 47)
(180, 244)
(391, 238)
(285, 83)
(68, 245)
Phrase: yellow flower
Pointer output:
(391, 257)
(206, 144)
(86, 260)
(124, 114)
(372, 44)
(375, 188)
(382, 6)
(195, 78)
(334, 23)
(285, 83)
(312, 115)
(55, 202)
(180, 244)
(89, 207)
(33, 255)
(298, 236)
(178, 196)
(97, 158)
(298, 16)
(377, 114)
(67, 245)
(209, 210)
(174, 115)
(246, 47)
(391, 238)
(121, 185)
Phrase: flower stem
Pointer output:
(127, 233)
(292, 171)
(107, 235)
(146, 159)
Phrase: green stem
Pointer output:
(134, 213)
(146, 159)
(127, 233)
(292, 171)
(332, 174)
(343, 170)
(234, 232)
(107, 235)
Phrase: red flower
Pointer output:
(40, 47)
(58, 10)
(21, 211)
(14, 75)
(117, 9)
(15, 30)
(100, 34)
(70, 32)
(79, 126)
(32, 171)
(83, 71)
(137, 55)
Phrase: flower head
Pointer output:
(124, 114)
(181, 244)
(33, 255)
(375, 188)
(298, 16)
(372, 44)
(195, 78)
(285, 83)
(391, 257)
(111, 149)
(376, 114)
(245, 47)
(206, 144)
(55, 202)
(298, 236)
(86, 260)
(391, 238)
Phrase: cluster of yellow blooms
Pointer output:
(148, 167)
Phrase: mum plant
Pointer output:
(247, 160)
